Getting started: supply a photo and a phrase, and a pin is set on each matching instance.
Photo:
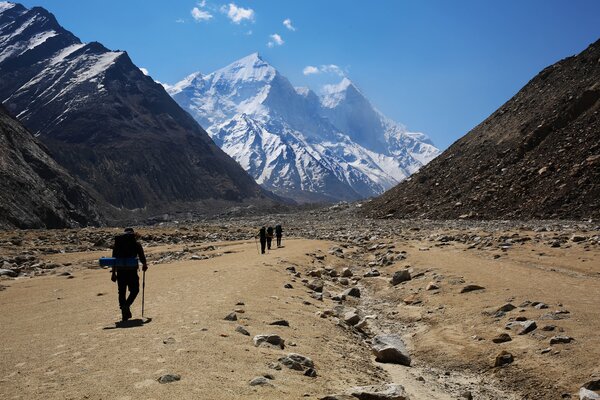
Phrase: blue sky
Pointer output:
(439, 67)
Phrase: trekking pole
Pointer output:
(143, 290)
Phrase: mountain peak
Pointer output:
(247, 69)
(332, 95)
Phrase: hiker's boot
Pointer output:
(124, 315)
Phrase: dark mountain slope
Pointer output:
(108, 123)
(35, 192)
(538, 156)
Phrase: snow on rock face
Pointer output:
(333, 147)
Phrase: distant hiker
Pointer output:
(269, 237)
(262, 233)
(127, 250)
(278, 234)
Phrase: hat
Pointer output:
(128, 230)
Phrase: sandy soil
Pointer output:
(60, 340)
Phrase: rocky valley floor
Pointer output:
(485, 310)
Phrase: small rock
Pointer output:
(296, 361)
(316, 285)
(560, 339)
(346, 273)
(471, 288)
(354, 292)
(506, 307)
(310, 372)
(288, 286)
(504, 358)
(260, 381)
(168, 378)
(528, 326)
(400, 276)
(280, 322)
(231, 317)
(351, 318)
(169, 340)
(242, 330)
(502, 338)
(431, 286)
(272, 340)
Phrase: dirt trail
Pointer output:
(60, 339)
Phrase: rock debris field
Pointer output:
(348, 308)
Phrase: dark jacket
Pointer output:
(262, 233)
(270, 231)
(278, 230)
(127, 247)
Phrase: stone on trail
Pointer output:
(390, 391)
(316, 285)
(260, 381)
(269, 340)
(231, 317)
(351, 318)
(310, 373)
(560, 339)
(354, 292)
(390, 349)
(506, 307)
(400, 276)
(288, 286)
(528, 326)
(280, 322)
(169, 340)
(471, 288)
(431, 286)
(504, 358)
(346, 273)
(168, 378)
(502, 338)
(297, 362)
(242, 330)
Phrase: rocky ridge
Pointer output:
(35, 192)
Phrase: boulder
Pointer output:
(269, 340)
(354, 292)
(586, 394)
(8, 272)
(400, 276)
(390, 349)
(297, 362)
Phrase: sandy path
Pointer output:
(59, 339)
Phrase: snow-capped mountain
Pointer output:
(108, 123)
(330, 147)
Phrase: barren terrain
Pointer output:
(61, 339)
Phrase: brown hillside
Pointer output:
(537, 156)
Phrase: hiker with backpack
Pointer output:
(278, 234)
(262, 234)
(269, 237)
(126, 251)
